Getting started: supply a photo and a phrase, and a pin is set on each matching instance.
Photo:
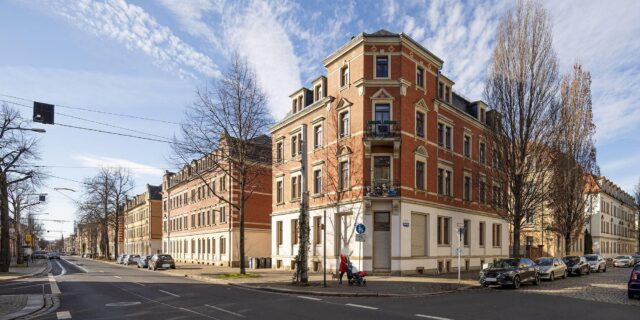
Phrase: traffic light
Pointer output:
(43, 112)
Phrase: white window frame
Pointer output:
(375, 65)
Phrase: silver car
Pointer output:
(550, 268)
(596, 262)
(623, 261)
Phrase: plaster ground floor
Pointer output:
(220, 248)
(611, 247)
(143, 246)
(402, 237)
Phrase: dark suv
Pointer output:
(577, 265)
(633, 288)
(164, 261)
(511, 272)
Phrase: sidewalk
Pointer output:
(280, 281)
(19, 272)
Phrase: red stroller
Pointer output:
(356, 277)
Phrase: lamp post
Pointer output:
(38, 130)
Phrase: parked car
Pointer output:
(39, 254)
(551, 268)
(143, 262)
(511, 272)
(132, 259)
(633, 288)
(120, 259)
(636, 257)
(53, 255)
(596, 262)
(623, 261)
(164, 261)
(577, 265)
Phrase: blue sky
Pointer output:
(146, 58)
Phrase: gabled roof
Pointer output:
(382, 33)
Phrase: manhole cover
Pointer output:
(122, 304)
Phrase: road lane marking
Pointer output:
(64, 271)
(54, 285)
(361, 306)
(225, 310)
(63, 315)
(169, 293)
(309, 298)
(431, 317)
(117, 277)
(166, 304)
(75, 264)
(140, 284)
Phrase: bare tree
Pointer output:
(573, 155)
(18, 149)
(636, 196)
(21, 200)
(522, 87)
(121, 186)
(229, 119)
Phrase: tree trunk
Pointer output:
(567, 244)
(303, 245)
(516, 241)
(5, 256)
(242, 200)
(116, 229)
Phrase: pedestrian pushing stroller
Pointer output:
(356, 277)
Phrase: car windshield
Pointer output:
(591, 258)
(164, 256)
(544, 262)
(506, 263)
(622, 257)
(571, 260)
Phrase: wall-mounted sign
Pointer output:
(405, 223)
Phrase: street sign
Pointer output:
(360, 228)
(360, 237)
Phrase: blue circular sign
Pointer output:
(360, 228)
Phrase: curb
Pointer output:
(29, 275)
(35, 302)
(349, 294)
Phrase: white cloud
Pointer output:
(133, 27)
(136, 168)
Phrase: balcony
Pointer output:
(382, 189)
(382, 133)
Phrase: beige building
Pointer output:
(143, 222)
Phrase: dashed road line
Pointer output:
(361, 306)
(63, 315)
(119, 277)
(225, 310)
(167, 305)
(170, 293)
(431, 317)
(309, 298)
(140, 284)
(54, 285)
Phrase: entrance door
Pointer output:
(381, 242)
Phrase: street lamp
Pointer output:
(64, 189)
(39, 130)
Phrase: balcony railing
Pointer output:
(382, 188)
(382, 129)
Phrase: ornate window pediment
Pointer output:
(421, 104)
(382, 94)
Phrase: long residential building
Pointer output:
(200, 226)
(385, 141)
(143, 222)
(613, 224)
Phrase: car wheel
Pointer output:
(536, 281)
(588, 271)
(566, 274)
(605, 269)
(551, 277)
(516, 282)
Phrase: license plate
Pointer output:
(490, 279)
(166, 265)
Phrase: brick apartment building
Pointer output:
(198, 227)
(143, 222)
(385, 141)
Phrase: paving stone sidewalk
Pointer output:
(281, 281)
(17, 272)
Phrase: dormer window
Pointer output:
(317, 93)
(483, 115)
(300, 103)
(294, 106)
(344, 76)
(382, 66)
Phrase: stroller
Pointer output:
(356, 277)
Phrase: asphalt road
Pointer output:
(96, 290)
